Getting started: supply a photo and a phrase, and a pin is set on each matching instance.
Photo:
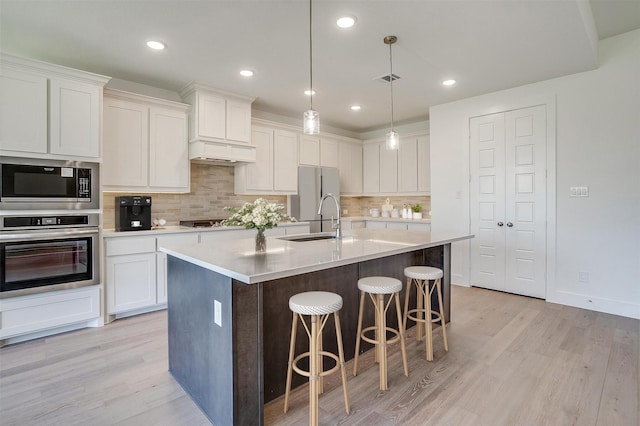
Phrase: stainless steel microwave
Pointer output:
(48, 184)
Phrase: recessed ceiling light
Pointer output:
(449, 82)
(355, 107)
(346, 21)
(309, 92)
(246, 73)
(155, 45)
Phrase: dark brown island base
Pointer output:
(229, 318)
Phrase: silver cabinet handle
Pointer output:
(500, 223)
(509, 224)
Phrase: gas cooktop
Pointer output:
(201, 223)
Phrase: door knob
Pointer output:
(500, 223)
(509, 224)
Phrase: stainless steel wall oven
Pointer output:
(29, 184)
(46, 253)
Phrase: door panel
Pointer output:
(487, 201)
(525, 201)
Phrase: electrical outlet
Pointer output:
(217, 313)
(583, 277)
(345, 211)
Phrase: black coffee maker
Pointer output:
(133, 213)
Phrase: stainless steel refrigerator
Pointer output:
(313, 184)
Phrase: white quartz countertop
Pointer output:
(237, 258)
(173, 229)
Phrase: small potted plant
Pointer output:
(417, 211)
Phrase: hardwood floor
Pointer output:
(512, 360)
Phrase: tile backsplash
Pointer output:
(212, 190)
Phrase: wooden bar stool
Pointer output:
(377, 288)
(318, 305)
(422, 276)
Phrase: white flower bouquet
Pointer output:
(260, 215)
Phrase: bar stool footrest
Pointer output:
(323, 373)
(394, 339)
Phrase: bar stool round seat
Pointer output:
(318, 305)
(423, 314)
(377, 288)
(315, 303)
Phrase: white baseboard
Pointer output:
(609, 306)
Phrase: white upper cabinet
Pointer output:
(424, 165)
(388, 170)
(328, 152)
(276, 169)
(209, 117)
(145, 144)
(74, 118)
(238, 120)
(404, 172)
(23, 112)
(371, 168)
(408, 165)
(309, 150)
(350, 165)
(49, 111)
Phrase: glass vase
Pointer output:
(261, 242)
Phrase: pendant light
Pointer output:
(311, 123)
(392, 140)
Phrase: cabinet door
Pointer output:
(23, 112)
(74, 116)
(161, 260)
(309, 151)
(388, 170)
(371, 166)
(424, 165)
(238, 121)
(397, 225)
(207, 237)
(211, 119)
(125, 149)
(259, 175)
(131, 282)
(350, 164)
(168, 150)
(328, 152)
(408, 165)
(285, 172)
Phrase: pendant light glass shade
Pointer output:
(311, 122)
(393, 139)
(311, 118)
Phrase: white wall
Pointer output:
(597, 137)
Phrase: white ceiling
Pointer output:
(485, 45)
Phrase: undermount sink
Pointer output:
(310, 237)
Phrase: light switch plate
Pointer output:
(579, 191)
(217, 313)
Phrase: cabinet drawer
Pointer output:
(396, 225)
(206, 237)
(130, 245)
(48, 310)
(375, 224)
(419, 227)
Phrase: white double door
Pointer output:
(508, 201)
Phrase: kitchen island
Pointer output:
(229, 320)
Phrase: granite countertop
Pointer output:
(237, 258)
(173, 229)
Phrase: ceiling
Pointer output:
(485, 45)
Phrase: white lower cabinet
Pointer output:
(353, 224)
(44, 311)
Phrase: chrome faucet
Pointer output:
(338, 225)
